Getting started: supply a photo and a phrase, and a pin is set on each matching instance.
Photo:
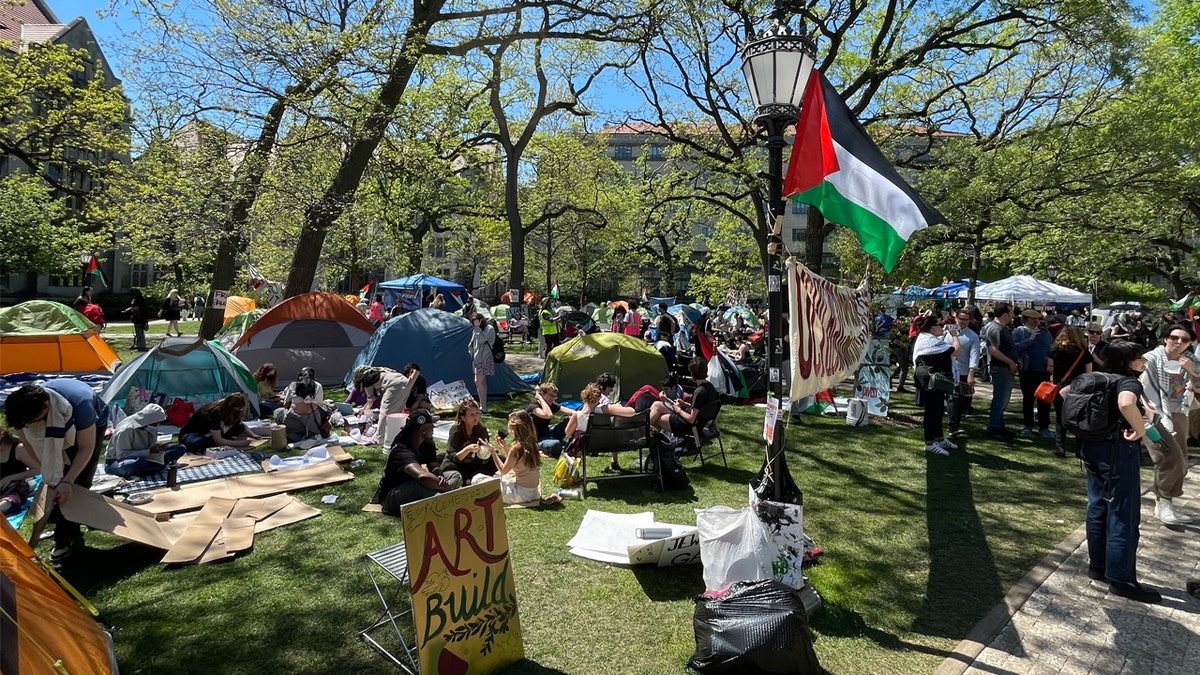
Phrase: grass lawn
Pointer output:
(918, 548)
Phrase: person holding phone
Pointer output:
(964, 366)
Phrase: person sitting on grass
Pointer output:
(419, 396)
(465, 452)
(678, 416)
(134, 451)
(608, 385)
(519, 464)
(543, 409)
(302, 412)
(219, 423)
(17, 465)
(412, 472)
(267, 378)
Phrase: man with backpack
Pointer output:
(1105, 413)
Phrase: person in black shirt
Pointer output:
(1114, 482)
(419, 396)
(679, 417)
(542, 409)
(412, 472)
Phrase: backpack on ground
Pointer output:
(666, 473)
(498, 354)
(1089, 407)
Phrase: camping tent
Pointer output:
(46, 624)
(236, 304)
(1024, 288)
(320, 330)
(40, 336)
(602, 315)
(187, 368)
(418, 290)
(437, 342)
(233, 329)
(575, 363)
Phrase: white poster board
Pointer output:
(220, 299)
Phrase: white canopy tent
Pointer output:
(1024, 288)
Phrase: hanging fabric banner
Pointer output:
(829, 329)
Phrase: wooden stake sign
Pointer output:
(464, 599)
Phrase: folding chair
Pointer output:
(392, 561)
(607, 433)
(705, 430)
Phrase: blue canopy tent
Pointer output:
(952, 289)
(437, 342)
(417, 291)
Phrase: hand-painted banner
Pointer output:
(874, 380)
(829, 328)
(464, 600)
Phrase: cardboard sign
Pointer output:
(874, 380)
(445, 396)
(679, 549)
(220, 299)
(463, 596)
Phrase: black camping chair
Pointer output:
(607, 433)
(705, 430)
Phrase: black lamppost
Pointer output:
(777, 65)
(84, 259)
(1052, 272)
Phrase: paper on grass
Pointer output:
(315, 456)
(612, 538)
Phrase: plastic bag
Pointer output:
(733, 547)
(758, 627)
(568, 472)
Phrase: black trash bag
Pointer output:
(758, 627)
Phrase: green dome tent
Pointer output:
(631, 361)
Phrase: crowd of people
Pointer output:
(1152, 383)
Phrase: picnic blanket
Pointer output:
(230, 466)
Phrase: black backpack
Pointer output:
(498, 354)
(666, 473)
(1090, 406)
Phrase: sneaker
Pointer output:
(959, 433)
(1027, 431)
(1096, 573)
(1135, 592)
(1060, 451)
(934, 448)
(1000, 434)
(947, 444)
(1046, 433)
(1166, 513)
(61, 552)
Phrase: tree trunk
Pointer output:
(516, 231)
(319, 217)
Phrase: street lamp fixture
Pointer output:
(777, 66)
(1052, 272)
(84, 259)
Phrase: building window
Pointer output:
(445, 272)
(797, 235)
(438, 249)
(623, 152)
(799, 207)
(656, 152)
(140, 275)
(63, 282)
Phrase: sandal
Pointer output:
(552, 499)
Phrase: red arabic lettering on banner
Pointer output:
(829, 329)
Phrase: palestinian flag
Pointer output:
(365, 291)
(93, 269)
(554, 290)
(836, 167)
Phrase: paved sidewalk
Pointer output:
(1056, 620)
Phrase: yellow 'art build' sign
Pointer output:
(464, 601)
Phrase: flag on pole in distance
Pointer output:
(554, 290)
(836, 167)
(257, 280)
(366, 291)
(93, 269)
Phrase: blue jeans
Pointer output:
(551, 446)
(1002, 386)
(138, 467)
(1114, 502)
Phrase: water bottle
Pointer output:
(172, 475)
(1152, 433)
(569, 494)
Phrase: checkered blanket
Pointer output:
(240, 463)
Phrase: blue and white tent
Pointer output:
(417, 291)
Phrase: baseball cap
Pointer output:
(1031, 314)
(420, 417)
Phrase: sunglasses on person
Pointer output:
(1094, 332)
(1180, 338)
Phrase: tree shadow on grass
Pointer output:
(665, 584)
(838, 621)
(530, 667)
(963, 580)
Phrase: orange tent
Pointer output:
(237, 304)
(320, 330)
(40, 623)
(41, 336)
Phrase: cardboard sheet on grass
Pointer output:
(195, 495)
(612, 538)
(223, 528)
(463, 596)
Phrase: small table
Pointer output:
(392, 563)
